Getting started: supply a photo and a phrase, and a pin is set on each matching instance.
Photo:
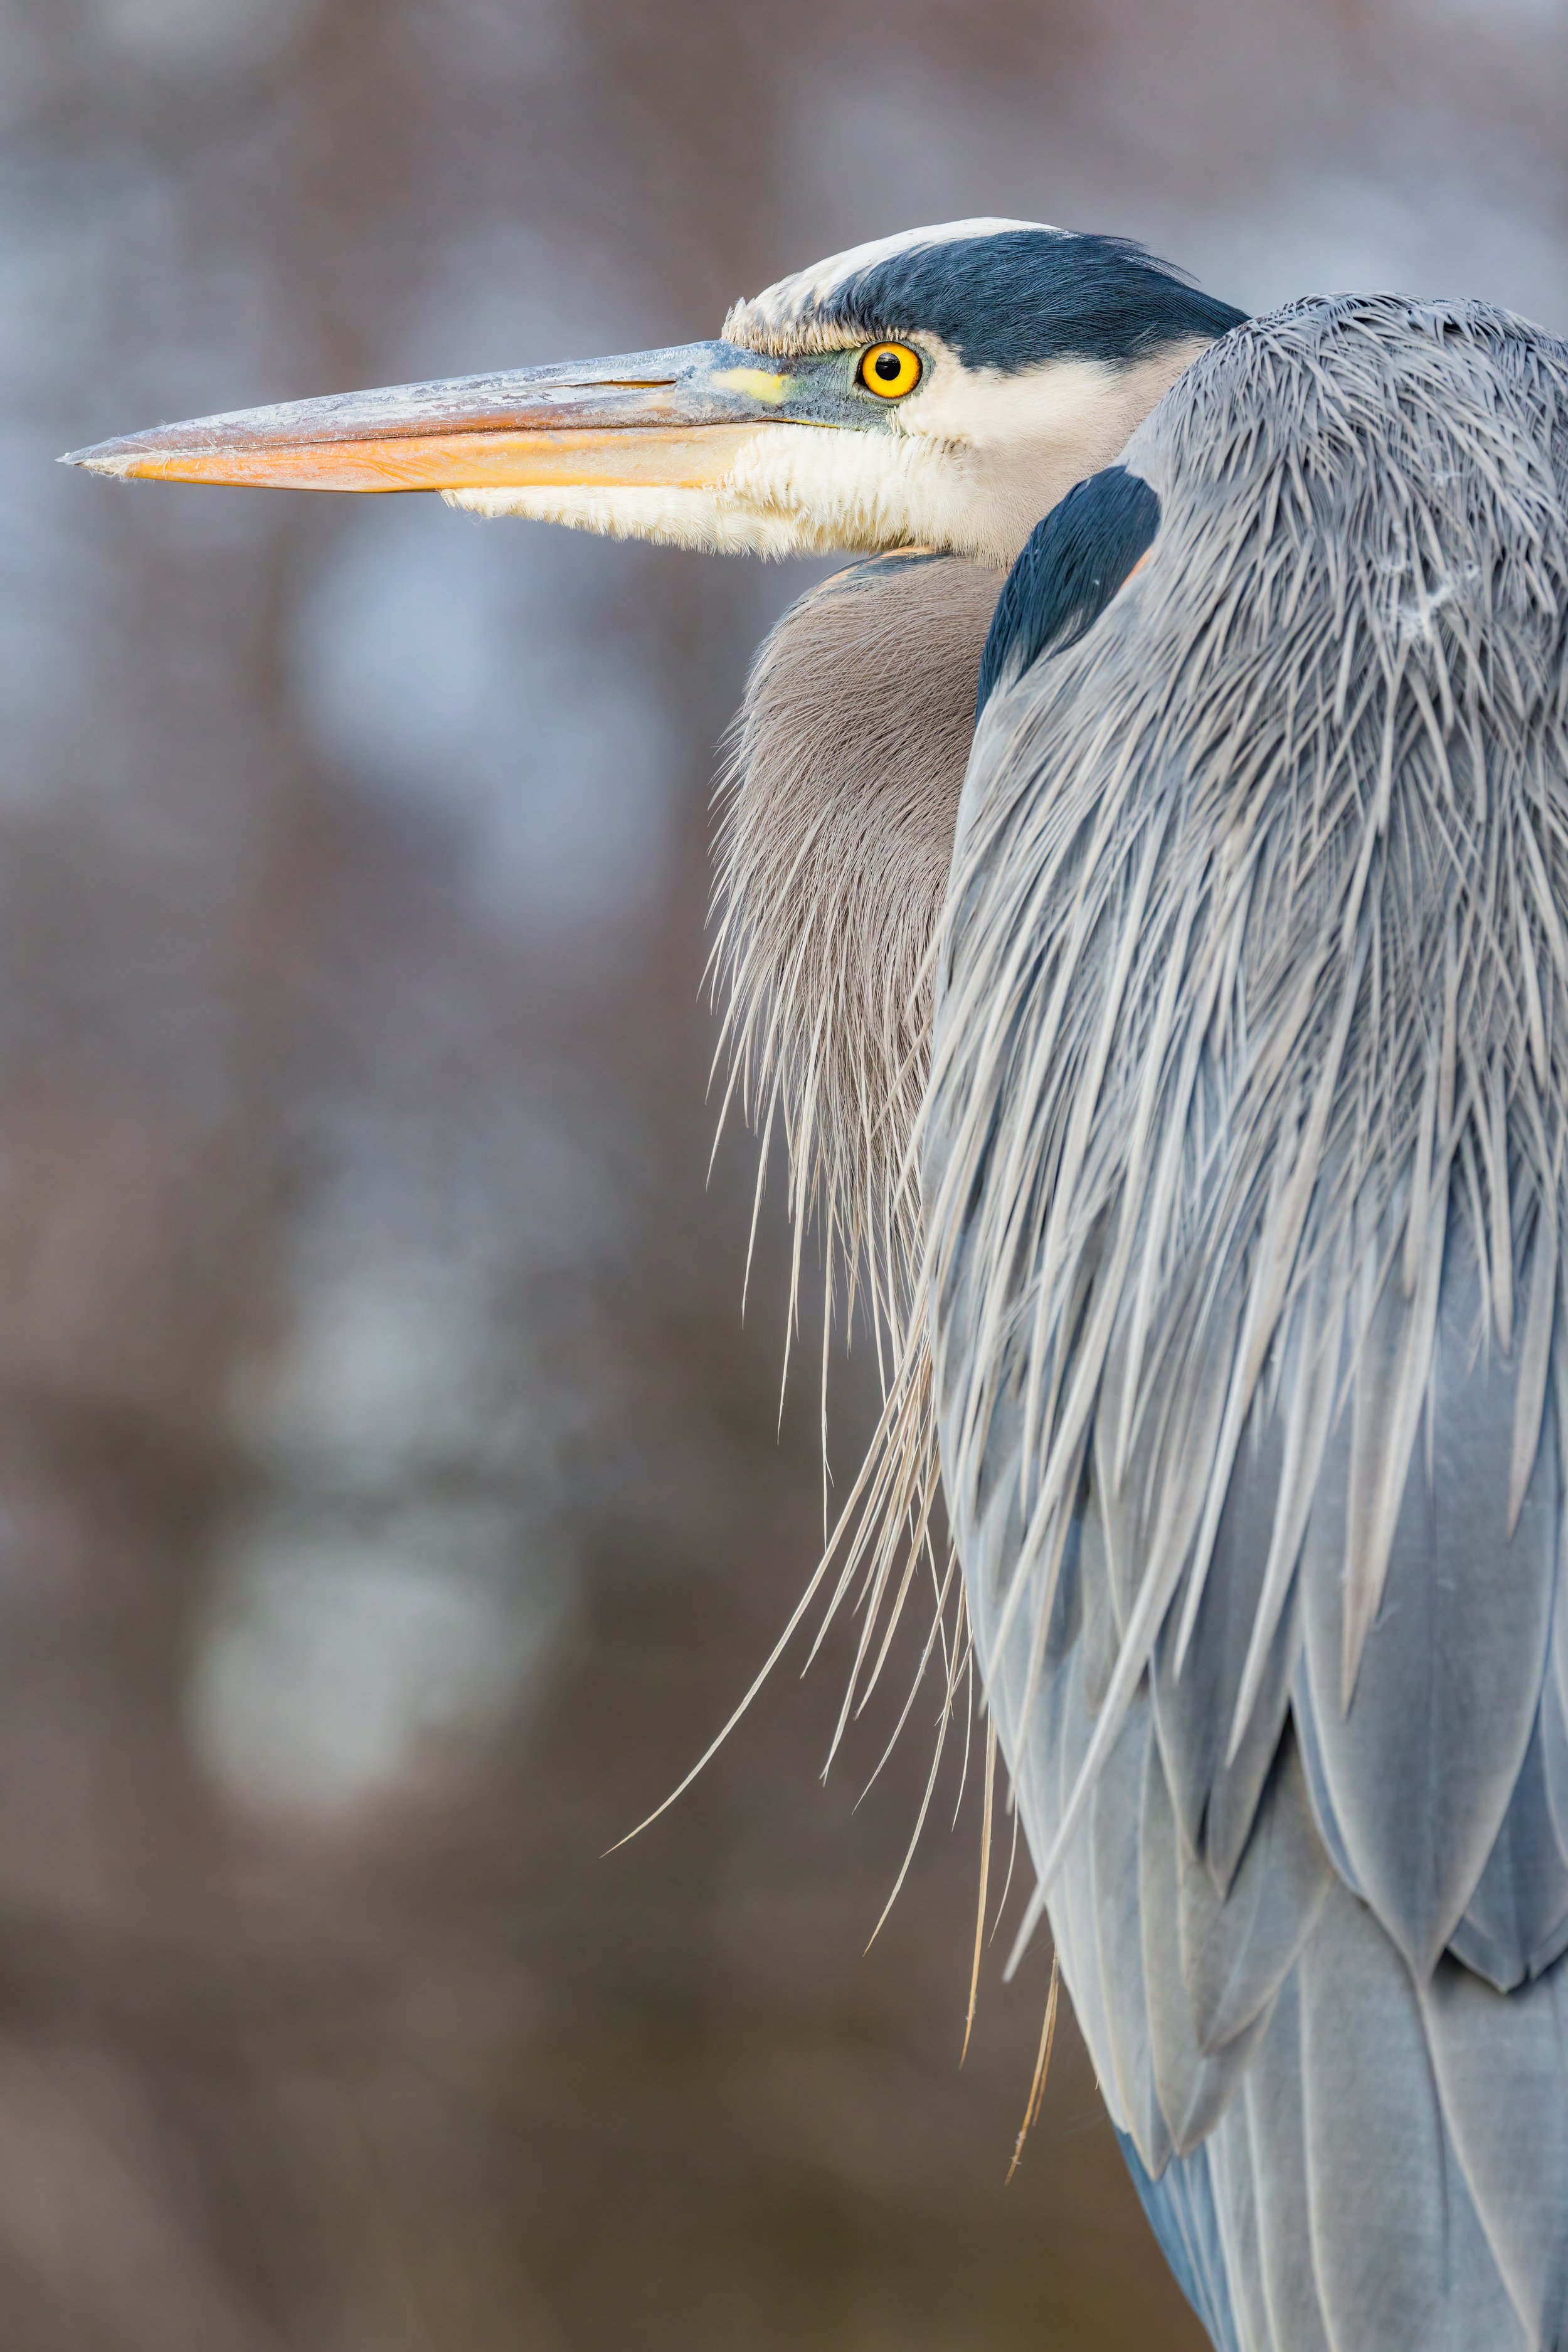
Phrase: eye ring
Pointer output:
(889, 369)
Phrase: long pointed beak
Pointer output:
(677, 417)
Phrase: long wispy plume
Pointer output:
(838, 803)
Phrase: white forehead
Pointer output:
(796, 296)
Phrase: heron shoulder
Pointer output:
(1073, 563)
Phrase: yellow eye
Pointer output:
(889, 369)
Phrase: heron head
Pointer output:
(940, 389)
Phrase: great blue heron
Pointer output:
(1240, 1126)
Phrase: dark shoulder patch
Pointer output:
(1028, 295)
(1071, 567)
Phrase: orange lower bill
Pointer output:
(687, 457)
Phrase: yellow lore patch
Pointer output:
(756, 383)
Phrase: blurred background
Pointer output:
(391, 1499)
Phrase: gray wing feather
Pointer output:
(1420, 1768)
(1046, 1763)
(1236, 1954)
(1183, 2207)
(1501, 2067)
(1400, 2255)
(1118, 1921)
(1305, 1720)
(1234, 2172)
(1194, 2082)
(1217, 1794)
(1101, 1634)
(1516, 1924)
(1273, 2114)
(1554, 1716)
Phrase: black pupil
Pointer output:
(888, 365)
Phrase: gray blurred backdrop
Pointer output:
(390, 1498)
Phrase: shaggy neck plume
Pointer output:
(840, 808)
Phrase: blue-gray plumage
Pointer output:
(1209, 1200)
(1244, 1159)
